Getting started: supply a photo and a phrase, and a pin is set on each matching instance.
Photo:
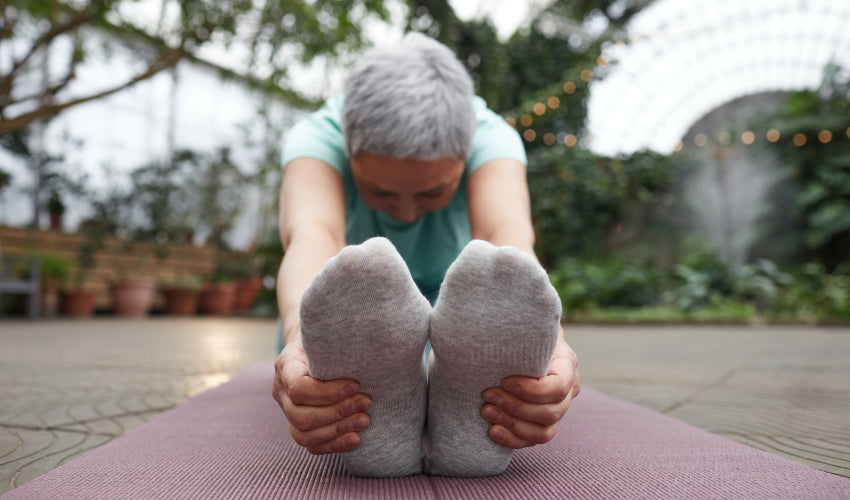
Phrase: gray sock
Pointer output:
(363, 318)
(497, 315)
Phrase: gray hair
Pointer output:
(412, 100)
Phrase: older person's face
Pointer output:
(405, 189)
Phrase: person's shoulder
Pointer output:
(319, 135)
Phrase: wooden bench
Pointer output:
(11, 284)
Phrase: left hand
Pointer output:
(526, 411)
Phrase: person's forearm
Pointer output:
(306, 253)
(518, 236)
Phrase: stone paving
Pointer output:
(67, 387)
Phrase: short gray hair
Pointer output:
(412, 100)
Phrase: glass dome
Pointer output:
(685, 58)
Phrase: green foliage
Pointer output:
(813, 293)
(274, 30)
(614, 283)
(819, 181)
(5, 179)
(578, 198)
(702, 277)
(54, 268)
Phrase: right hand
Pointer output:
(324, 416)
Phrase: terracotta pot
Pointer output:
(77, 303)
(133, 297)
(247, 291)
(218, 298)
(181, 301)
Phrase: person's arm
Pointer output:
(524, 411)
(324, 416)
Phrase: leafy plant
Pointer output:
(614, 283)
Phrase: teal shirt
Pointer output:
(431, 243)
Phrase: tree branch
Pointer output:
(76, 21)
(165, 61)
(53, 89)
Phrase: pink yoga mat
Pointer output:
(233, 442)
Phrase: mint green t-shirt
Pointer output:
(432, 242)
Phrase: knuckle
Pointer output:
(295, 393)
(299, 437)
(548, 434)
(551, 416)
(563, 392)
(301, 420)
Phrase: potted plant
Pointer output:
(132, 294)
(54, 274)
(182, 296)
(133, 289)
(78, 301)
(245, 267)
(218, 296)
(55, 208)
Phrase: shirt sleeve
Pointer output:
(493, 139)
(319, 136)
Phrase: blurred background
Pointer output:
(688, 161)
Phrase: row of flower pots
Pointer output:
(135, 298)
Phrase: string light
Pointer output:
(539, 108)
(773, 135)
(700, 139)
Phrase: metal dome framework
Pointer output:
(687, 57)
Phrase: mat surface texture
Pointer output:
(233, 442)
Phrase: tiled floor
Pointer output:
(69, 386)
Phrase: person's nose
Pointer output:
(407, 211)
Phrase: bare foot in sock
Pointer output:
(497, 315)
(363, 318)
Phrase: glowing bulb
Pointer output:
(586, 75)
(570, 87)
(529, 135)
(773, 135)
(678, 147)
(825, 136)
(570, 140)
(602, 60)
(511, 121)
(553, 102)
(748, 137)
(539, 109)
(700, 140)
(848, 132)
(799, 139)
(526, 120)
(549, 139)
